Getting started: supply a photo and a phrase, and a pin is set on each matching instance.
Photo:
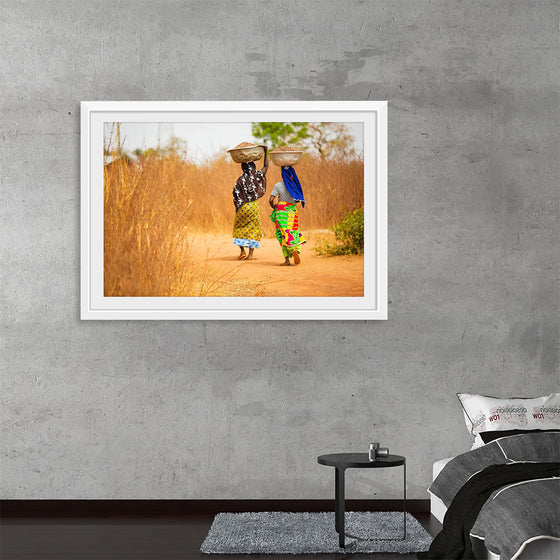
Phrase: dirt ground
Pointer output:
(222, 274)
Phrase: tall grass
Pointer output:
(156, 206)
(146, 247)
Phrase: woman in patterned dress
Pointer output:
(247, 228)
(285, 214)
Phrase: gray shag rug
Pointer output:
(277, 532)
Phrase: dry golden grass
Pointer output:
(156, 206)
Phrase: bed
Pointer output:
(501, 499)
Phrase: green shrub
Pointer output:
(349, 236)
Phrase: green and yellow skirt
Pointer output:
(247, 228)
(286, 219)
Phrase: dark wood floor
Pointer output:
(131, 538)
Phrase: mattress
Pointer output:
(437, 507)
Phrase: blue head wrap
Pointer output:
(292, 184)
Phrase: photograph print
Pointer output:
(233, 210)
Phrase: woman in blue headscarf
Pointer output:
(285, 214)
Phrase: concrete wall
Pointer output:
(241, 409)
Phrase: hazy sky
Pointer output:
(203, 139)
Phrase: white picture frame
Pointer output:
(372, 306)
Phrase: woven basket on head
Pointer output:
(246, 151)
(286, 156)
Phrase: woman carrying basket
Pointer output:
(285, 214)
(247, 229)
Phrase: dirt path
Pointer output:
(224, 275)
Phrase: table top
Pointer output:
(359, 461)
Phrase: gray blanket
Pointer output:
(514, 514)
(518, 513)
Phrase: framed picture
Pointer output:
(234, 210)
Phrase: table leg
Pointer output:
(404, 499)
(339, 505)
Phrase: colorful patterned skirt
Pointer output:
(287, 228)
(247, 230)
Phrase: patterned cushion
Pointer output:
(489, 414)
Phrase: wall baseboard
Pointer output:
(179, 508)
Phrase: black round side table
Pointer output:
(343, 461)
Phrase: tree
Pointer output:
(331, 139)
(326, 139)
(281, 133)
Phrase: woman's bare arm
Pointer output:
(265, 162)
(272, 202)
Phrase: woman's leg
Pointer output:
(286, 254)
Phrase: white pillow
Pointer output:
(490, 414)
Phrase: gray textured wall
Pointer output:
(242, 409)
